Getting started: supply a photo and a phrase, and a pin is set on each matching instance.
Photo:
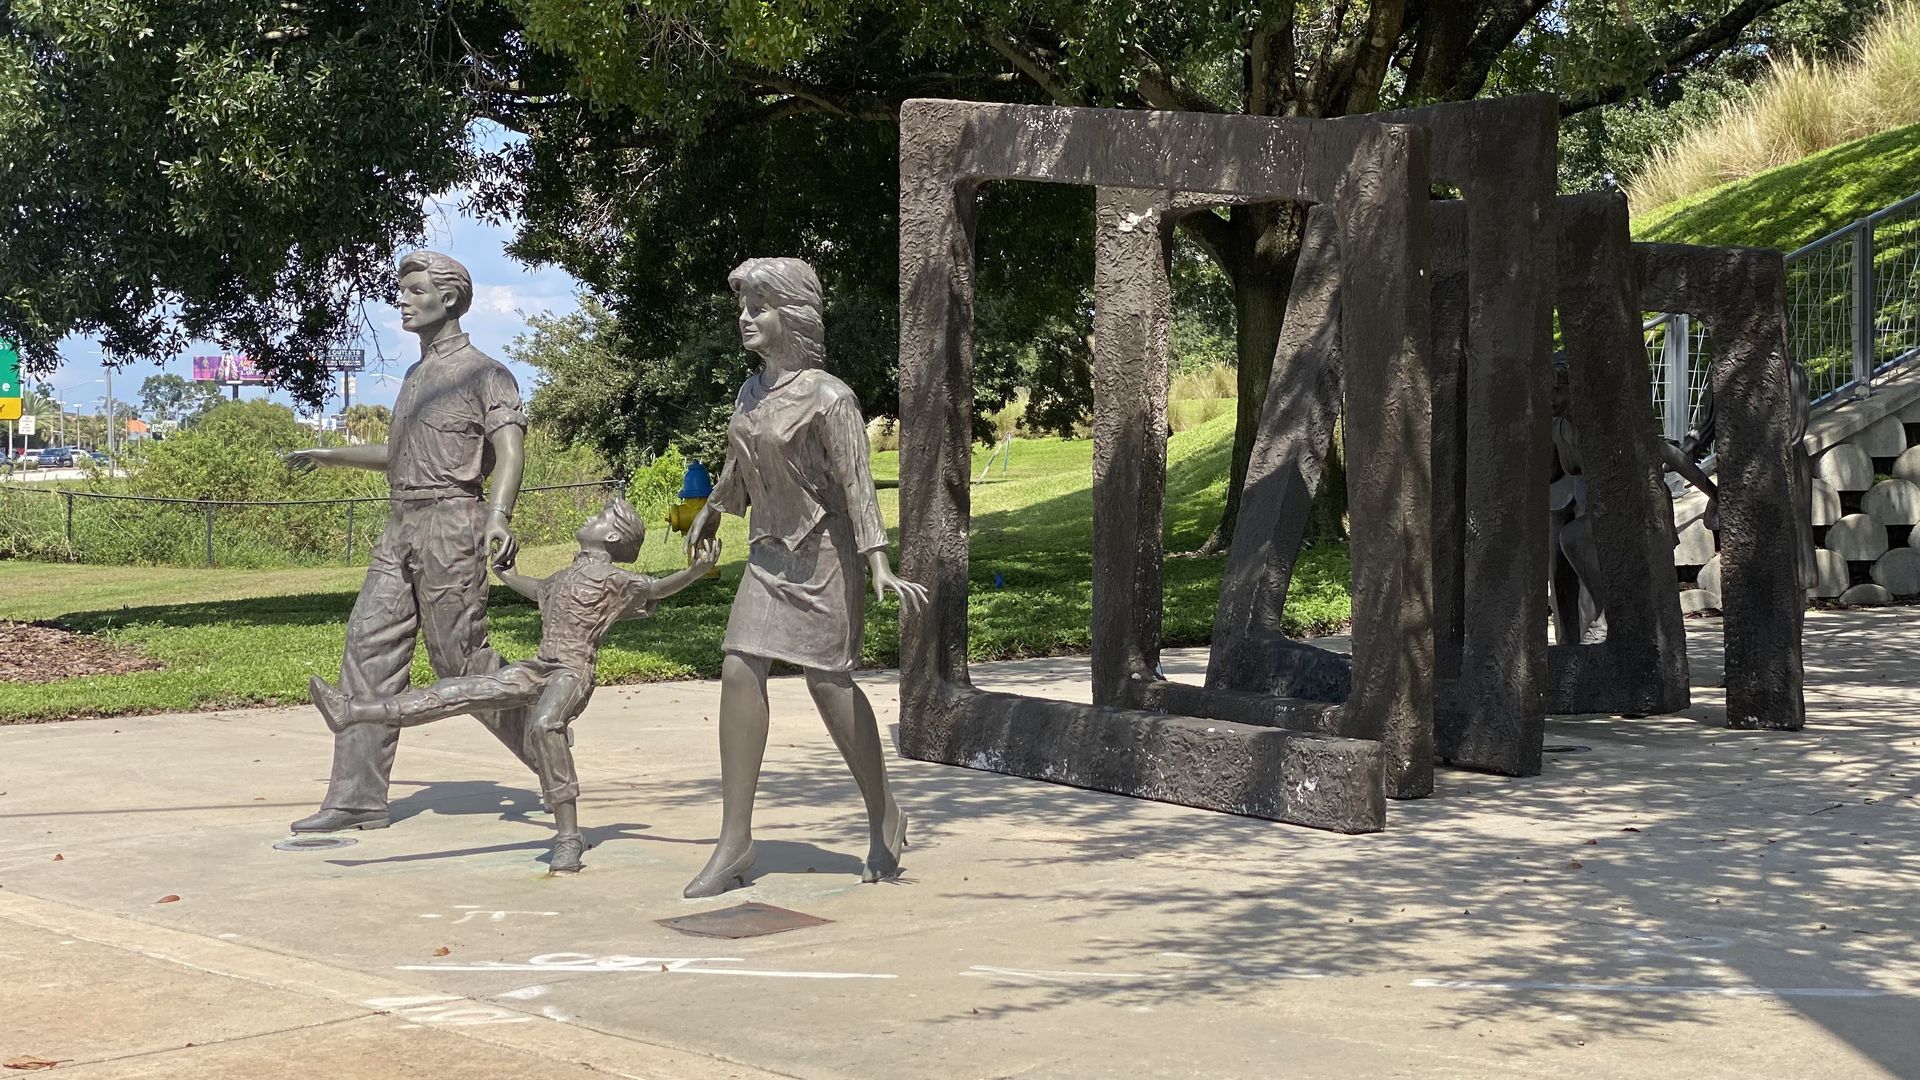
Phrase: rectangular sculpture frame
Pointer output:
(1492, 335)
(1641, 667)
(1377, 175)
(1740, 294)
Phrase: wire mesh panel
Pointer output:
(1896, 284)
(1820, 321)
(1654, 331)
(1679, 356)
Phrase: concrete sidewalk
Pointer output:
(1669, 899)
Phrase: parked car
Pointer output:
(28, 459)
(58, 457)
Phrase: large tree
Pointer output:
(675, 76)
(240, 171)
(244, 169)
(167, 396)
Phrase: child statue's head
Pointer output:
(616, 529)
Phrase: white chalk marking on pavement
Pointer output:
(445, 1010)
(678, 965)
(470, 912)
(524, 993)
(988, 971)
(1645, 988)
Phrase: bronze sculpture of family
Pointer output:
(797, 468)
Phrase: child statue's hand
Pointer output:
(706, 553)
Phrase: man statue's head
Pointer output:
(434, 291)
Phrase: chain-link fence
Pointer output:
(96, 527)
(1853, 314)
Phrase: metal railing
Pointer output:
(93, 526)
(1853, 314)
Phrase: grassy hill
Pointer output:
(1791, 205)
(1798, 108)
(236, 637)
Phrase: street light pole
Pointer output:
(63, 392)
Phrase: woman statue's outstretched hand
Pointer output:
(912, 596)
(705, 524)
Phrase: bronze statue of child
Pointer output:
(578, 606)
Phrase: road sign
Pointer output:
(10, 376)
(27, 424)
(343, 359)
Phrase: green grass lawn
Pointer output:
(244, 637)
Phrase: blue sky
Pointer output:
(505, 292)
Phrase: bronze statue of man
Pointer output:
(456, 422)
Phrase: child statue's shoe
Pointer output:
(567, 851)
(334, 707)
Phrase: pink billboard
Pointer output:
(230, 368)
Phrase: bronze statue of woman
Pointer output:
(797, 454)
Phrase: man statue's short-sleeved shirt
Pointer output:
(450, 404)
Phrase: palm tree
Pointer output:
(36, 403)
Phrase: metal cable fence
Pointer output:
(1853, 314)
(96, 527)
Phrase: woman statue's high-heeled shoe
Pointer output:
(715, 882)
(896, 846)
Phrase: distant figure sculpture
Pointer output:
(1698, 443)
(456, 421)
(797, 453)
(578, 606)
(1574, 564)
(1574, 582)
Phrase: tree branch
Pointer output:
(853, 104)
(1505, 22)
(1708, 41)
(1358, 68)
(1034, 66)
(1163, 90)
(1271, 81)
(1215, 234)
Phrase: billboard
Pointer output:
(229, 368)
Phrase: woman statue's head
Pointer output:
(780, 312)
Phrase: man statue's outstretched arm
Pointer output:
(366, 456)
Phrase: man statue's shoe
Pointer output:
(567, 850)
(332, 820)
(333, 705)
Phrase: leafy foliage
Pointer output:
(167, 396)
(233, 170)
(243, 170)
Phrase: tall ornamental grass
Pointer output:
(1799, 108)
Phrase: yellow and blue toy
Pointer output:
(695, 486)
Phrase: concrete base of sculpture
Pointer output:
(1238, 768)
(1587, 679)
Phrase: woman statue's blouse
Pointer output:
(797, 452)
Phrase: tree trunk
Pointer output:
(1265, 242)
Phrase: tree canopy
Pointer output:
(245, 170)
